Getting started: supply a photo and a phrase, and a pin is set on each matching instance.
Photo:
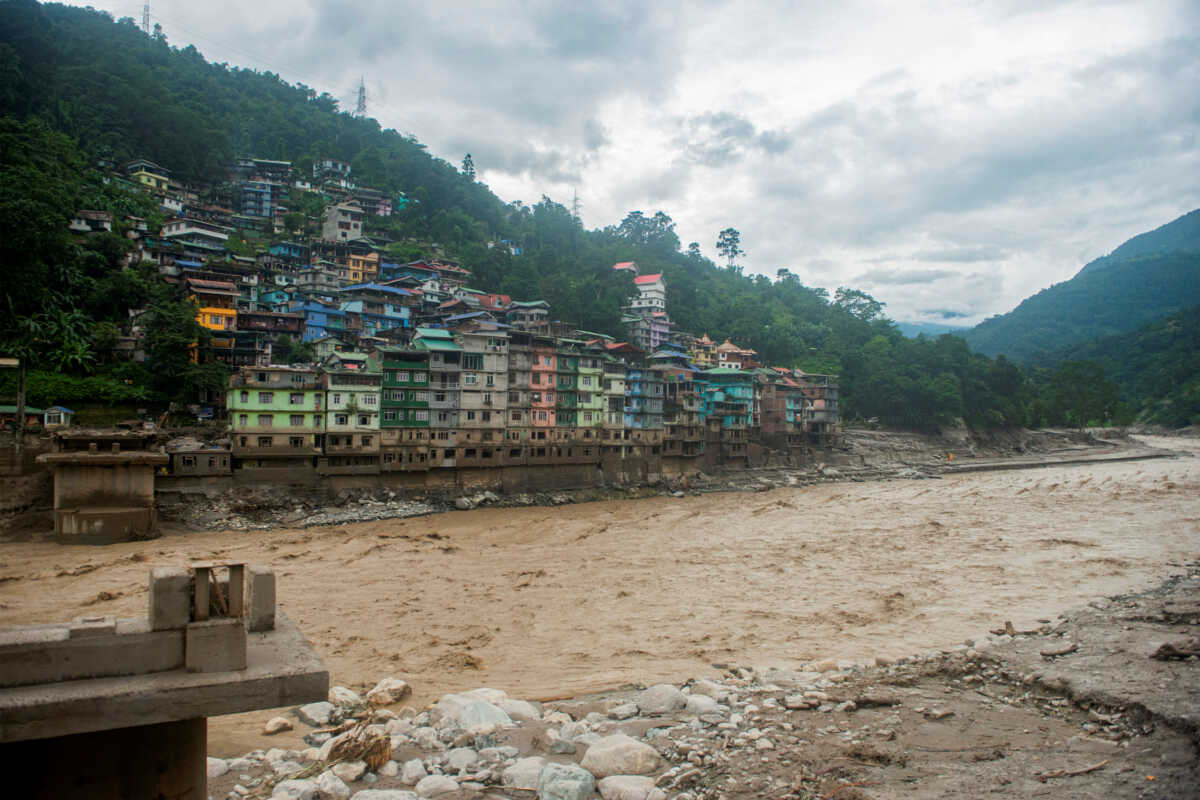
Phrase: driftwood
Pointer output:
(1071, 773)
(1054, 652)
(1011, 631)
(1184, 649)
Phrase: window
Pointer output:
(449, 453)
(264, 441)
(341, 419)
(261, 377)
(296, 398)
(389, 415)
(420, 397)
(421, 416)
(487, 397)
(487, 416)
(537, 378)
(296, 420)
(542, 416)
(266, 397)
(244, 396)
(514, 397)
(337, 397)
(443, 416)
(470, 415)
(364, 419)
(242, 440)
(537, 397)
(243, 419)
(439, 397)
(403, 376)
(585, 382)
(515, 416)
(419, 377)
(264, 420)
(370, 399)
(470, 379)
(365, 441)
(490, 379)
(296, 441)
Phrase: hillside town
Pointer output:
(412, 368)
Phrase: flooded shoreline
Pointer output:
(547, 602)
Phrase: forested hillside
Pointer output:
(77, 86)
(1146, 278)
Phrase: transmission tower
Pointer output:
(146, 19)
(360, 110)
(575, 207)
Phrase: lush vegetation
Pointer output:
(77, 87)
(1150, 276)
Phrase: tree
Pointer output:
(693, 251)
(858, 304)
(729, 246)
(468, 167)
(1081, 390)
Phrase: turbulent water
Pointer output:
(548, 602)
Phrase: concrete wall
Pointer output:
(108, 485)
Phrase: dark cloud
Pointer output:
(718, 139)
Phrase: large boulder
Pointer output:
(630, 787)
(524, 773)
(619, 754)
(317, 715)
(346, 698)
(295, 790)
(389, 691)
(332, 787)
(436, 786)
(565, 782)
(661, 699)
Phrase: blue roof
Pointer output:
(378, 287)
(186, 263)
(471, 315)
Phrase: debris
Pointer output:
(1070, 773)
(1055, 652)
(1181, 650)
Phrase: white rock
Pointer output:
(436, 785)
(276, 725)
(286, 767)
(520, 710)
(350, 771)
(700, 704)
(524, 774)
(565, 782)
(478, 713)
(341, 696)
(661, 699)
(295, 790)
(383, 794)
(389, 691)
(331, 786)
(461, 759)
(412, 771)
(623, 711)
(620, 755)
(630, 787)
(709, 689)
(316, 714)
(492, 696)
(217, 767)
(389, 770)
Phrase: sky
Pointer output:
(949, 158)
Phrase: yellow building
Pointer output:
(364, 268)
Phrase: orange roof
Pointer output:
(632, 265)
(655, 278)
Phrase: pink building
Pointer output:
(542, 378)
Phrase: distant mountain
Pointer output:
(914, 329)
(1148, 277)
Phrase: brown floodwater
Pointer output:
(547, 602)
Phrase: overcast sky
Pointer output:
(950, 158)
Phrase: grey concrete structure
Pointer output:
(106, 708)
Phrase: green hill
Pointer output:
(1148, 277)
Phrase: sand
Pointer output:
(550, 602)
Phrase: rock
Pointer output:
(331, 786)
(661, 699)
(630, 787)
(341, 696)
(286, 767)
(700, 704)
(825, 666)
(793, 702)
(561, 746)
(490, 497)
(478, 713)
(276, 725)
(846, 705)
(412, 771)
(295, 790)
(217, 767)
(436, 785)
(350, 771)
(565, 782)
(463, 504)
(389, 770)
(461, 759)
(520, 710)
(623, 711)
(332, 742)
(383, 794)
(524, 773)
(710, 689)
(620, 755)
(389, 691)
(318, 715)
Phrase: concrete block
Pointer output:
(260, 583)
(59, 657)
(170, 598)
(216, 645)
(93, 626)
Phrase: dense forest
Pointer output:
(1150, 276)
(77, 87)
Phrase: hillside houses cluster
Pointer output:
(415, 370)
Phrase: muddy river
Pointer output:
(547, 602)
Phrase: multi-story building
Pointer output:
(404, 422)
(590, 405)
(821, 403)
(445, 390)
(683, 433)
(276, 418)
(352, 416)
(727, 405)
(484, 398)
(543, 379)
(342, 222)
(566, 397)
(519, 411)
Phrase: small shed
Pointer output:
(8, 417)
(57, 417)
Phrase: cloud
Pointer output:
(888, 277)
(963, 255)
